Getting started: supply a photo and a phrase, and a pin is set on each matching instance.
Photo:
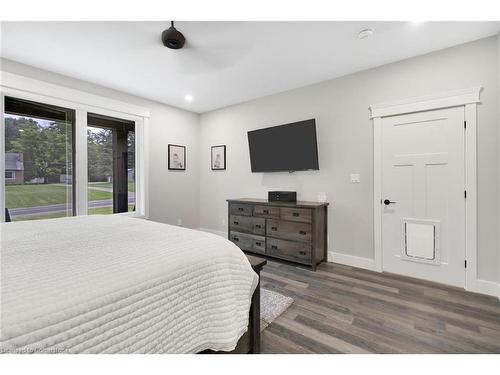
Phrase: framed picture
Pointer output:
(176, 158)
(218, 158)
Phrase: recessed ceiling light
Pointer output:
(366, 33)
(188, 98)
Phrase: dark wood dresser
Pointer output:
(295, 232)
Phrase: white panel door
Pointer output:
(423, 202)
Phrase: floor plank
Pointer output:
(342, 309)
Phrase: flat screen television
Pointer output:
(289, 147)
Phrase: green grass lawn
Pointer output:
(96, 195)
(17, 196)
(107, 210)
(109, 185)
(92, 211)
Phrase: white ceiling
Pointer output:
(223, 63)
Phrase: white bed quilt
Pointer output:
(116, 284)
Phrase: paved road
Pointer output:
(53, 208)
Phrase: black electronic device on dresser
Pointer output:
(292, 231)
(282, 196)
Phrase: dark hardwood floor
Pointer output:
(340, 309)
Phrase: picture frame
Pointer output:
(176, 157)
(218, 158)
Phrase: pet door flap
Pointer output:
(420, 240)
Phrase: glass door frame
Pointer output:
(82, 103)
(73, 142)
(118, 127)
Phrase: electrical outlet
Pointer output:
(179, 222)
(223, 222)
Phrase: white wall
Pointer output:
(172, 195)
(345, 143)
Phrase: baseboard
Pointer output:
(217, 232)
(353, 261)
(487, 287)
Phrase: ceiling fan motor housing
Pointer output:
(172, 38)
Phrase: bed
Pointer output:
(117, 284)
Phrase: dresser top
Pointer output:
(265, 202)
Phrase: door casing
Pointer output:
(467, 98)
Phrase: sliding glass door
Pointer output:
(39, 160)
(111, 164)
(62, 160)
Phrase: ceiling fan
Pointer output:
(205, 56)
(172, 38)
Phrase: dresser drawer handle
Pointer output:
(274, 247)
(303, 232)
(240, 208)
(258, 226)
(296, 214)
(302, 252)
(258, 244)
(266, 211)
(236, 222)
(274, 228)
(236, 239)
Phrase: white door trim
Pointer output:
(82, 102)
(428, 102)
(468, 98)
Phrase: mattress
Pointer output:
(117, 284)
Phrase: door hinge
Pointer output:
(465, 263)
(465, 194)
(465, 124)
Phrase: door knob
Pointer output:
(388, 202)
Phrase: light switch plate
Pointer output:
(355, 178)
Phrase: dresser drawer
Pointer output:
(241, 209)
(303, 215)
(249, 242)
(294, 251)
(289, 230)
(267, 212)
(247, 224)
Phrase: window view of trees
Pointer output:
(100, 168)
(100, 154)
(45, 147)
(38, 167)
